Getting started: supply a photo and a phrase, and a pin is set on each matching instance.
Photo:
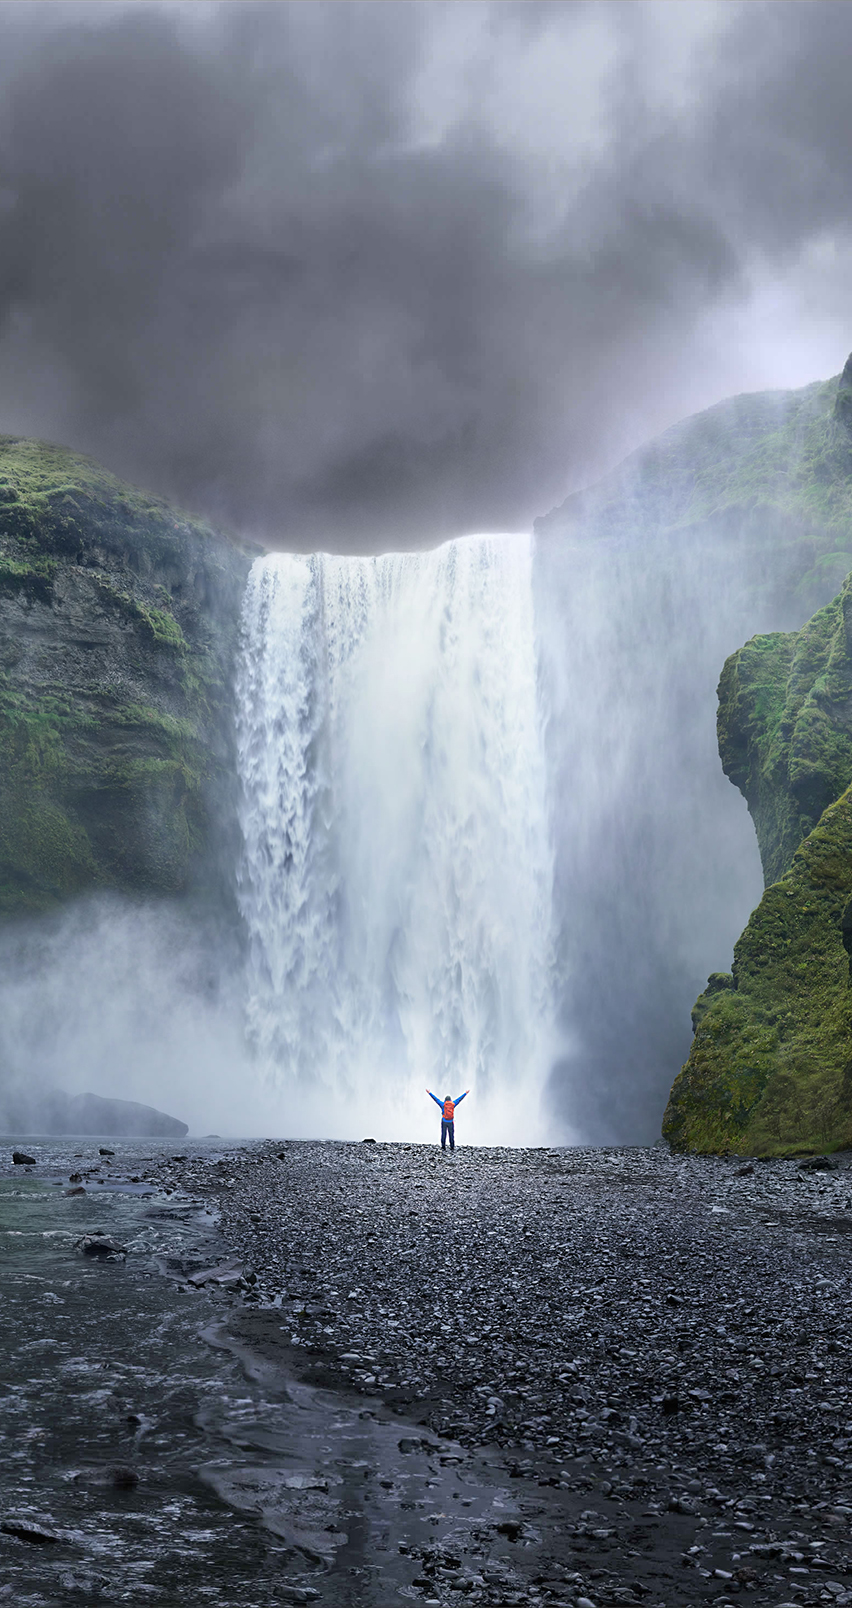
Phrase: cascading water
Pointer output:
(397, 873)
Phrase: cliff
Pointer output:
(118, 626)
(770, 1069)
(770, 472)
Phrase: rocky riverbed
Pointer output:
(530, 1376)
(655, 1348)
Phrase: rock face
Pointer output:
(89, 1115)
(770, 1070)
(118, 624)
(785, 727)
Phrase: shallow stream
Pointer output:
(145, 1458)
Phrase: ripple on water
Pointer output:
(168, 1462)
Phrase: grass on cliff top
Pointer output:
(773, 450)
(770, 1070)
(48, 478)
(57, 502)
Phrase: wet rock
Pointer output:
(77, 1190)
(124, 1478)
(744, 1172)
(100, 1245)
(229, 1273)
(102, 1151)
(512, 1529)
(38, 1532)
(818, 1164)
(590, 1319)
(21, 1159)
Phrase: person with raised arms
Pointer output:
(448, 1108)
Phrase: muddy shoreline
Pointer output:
(653, 1349)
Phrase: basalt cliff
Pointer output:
(119, 619)
(770, 1069)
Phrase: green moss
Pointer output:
(111, 794)
(769, 1067)
(783, 728)
(45, 857)
(118, 623)
(782, 456)
(33, 575)
(161, 624)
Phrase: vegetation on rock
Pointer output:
(118, 623)
(770, 1069)
(784, 728)
(770, 471)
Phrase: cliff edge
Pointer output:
(770, 1069)
(118, 627)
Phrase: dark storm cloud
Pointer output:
(371, 274)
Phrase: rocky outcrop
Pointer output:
(770, 1070)
(89, 1115)
(118, 625)
(785, 727)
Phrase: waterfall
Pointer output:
(396, 879)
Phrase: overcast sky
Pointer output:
(371, 274)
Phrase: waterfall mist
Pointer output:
(486, 842)
(656, 861)
(397, 878)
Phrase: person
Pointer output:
(448, 1108)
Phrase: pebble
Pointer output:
(585, 1316)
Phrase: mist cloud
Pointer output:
(370, 275)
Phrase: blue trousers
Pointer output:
(448, 1131)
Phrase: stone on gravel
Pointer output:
(21, 1159)
(659, 1345)
(228, 1273)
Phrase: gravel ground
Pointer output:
(655, 1349)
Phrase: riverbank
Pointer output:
(503, 1377)
(655, 1348)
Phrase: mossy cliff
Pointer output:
(785, 727)
(770, 473)
(118, 626)
(770, 1070)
